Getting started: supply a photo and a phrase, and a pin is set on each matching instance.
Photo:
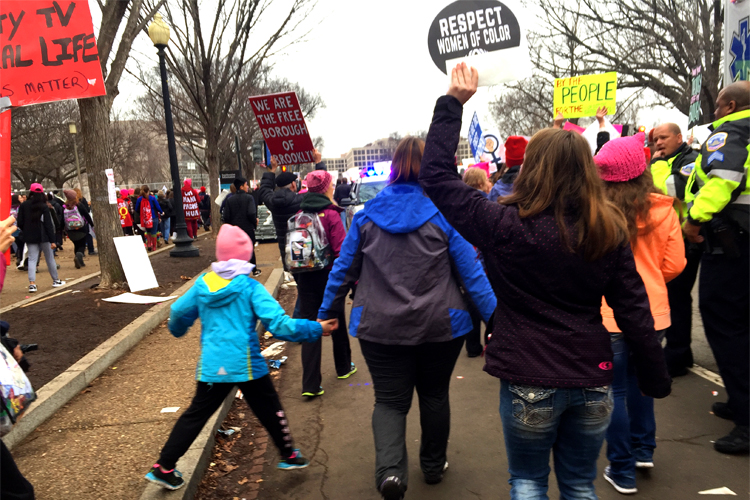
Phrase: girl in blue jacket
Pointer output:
(229, 303)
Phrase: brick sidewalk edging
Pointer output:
(195, 462)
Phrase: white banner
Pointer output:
(736, 41)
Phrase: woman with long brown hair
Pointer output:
(552, 249)
(409, 314)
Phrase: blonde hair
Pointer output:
(476, 178)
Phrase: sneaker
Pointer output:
(313, 394)
(351, 372)
(722, 410)
(436, 478)
(296, 461)
(78, 260)
(171, 480)
(735, 443)
(32, 288)
(94, 253)
(257, 272)
(391, 488)
(644, 465)
(57, 283)
(619, 488)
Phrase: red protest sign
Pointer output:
(283, 126)
(48, 51)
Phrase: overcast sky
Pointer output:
(370, 63)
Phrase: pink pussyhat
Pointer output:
(188, 182)
(622, 159)
(483, 166)
(233, 243)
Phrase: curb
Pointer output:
(58, 391)
(52, 291)
(193, 464)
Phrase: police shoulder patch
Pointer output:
(688, 169)
(716, 141)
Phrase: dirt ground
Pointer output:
(75, 321)
(233, 471)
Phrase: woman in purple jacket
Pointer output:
(552, 249)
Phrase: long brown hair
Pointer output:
(406, 160)
(633, 198)
(559, 172)
(144, 191)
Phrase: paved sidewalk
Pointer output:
(335, 431)
(102, 443)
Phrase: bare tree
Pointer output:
(139, 151)
(651, 44)
(209, 60)
(95, 113)
(42, 147)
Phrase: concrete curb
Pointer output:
(58, 391)
(194, 463)
(71, 283)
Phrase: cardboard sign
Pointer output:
(694, 114)
(583, 95)
(483, 33)
(48, 51)
(475, 138)
(280, 120)
(135, 263)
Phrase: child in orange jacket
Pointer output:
(659, 251)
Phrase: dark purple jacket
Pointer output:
(548, 327)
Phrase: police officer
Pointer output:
(671, 167)
(719, 216)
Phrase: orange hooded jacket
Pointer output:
(659, 258)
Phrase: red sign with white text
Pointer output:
(283, 126)
(48, 51)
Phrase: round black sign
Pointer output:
(469, 27)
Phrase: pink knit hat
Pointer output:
(482, 166)
(318, 181)
(233, 243)
(188, 182)
(124, 193)
(622, 159)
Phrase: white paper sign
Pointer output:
(111, 186)
(135, 263)
(497, 67)
(131, 298)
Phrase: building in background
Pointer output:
(380, 150)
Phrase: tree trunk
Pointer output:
(212, 159)
(96, 157)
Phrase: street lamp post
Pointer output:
(73, 131)
(158, 32)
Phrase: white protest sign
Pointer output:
(486, 35)
(131, 298)
(135, 263)
(111, 191)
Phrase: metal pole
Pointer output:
(239, 158)
(78, 165)
(183, 244)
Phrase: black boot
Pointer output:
(736, 442)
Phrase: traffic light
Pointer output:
(258, 150)
(283, 168)
(642, 129)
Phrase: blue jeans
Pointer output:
(631, 435)
(569, 422)
(164, 226)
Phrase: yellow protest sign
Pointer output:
(582, 95)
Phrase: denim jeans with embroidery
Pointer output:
(570, 423)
